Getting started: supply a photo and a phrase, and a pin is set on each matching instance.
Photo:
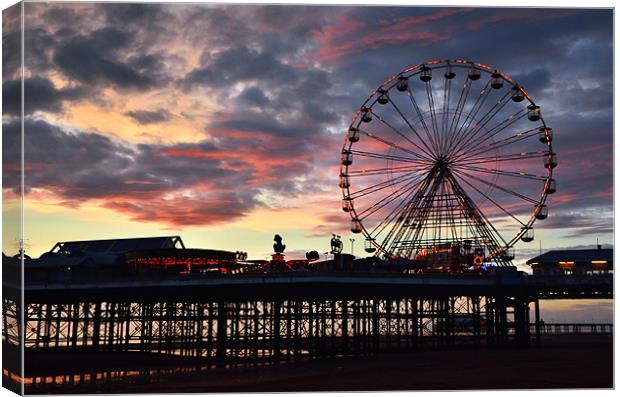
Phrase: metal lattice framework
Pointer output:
(447, 156)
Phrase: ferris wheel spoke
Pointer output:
(429, 152)
(505, 158)
(494, 185)
(491, 200)
(480, 221)
(431, 106)
(386, 200)
(394, 218)
(494, 171)
(466, 125)
(381, 171)
(380, 186)
(484, 120)
(394, 238)
(392, 157)
(390, 126)
(405, 205)
(496, 145)
(447, 90)
(476, 141)
(453, 224)
(421, 118)
(459, 110)
(416, 214)
(392, 144)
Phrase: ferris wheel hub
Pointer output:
(442, 162)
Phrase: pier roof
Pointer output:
(582, 256)
(117, 246)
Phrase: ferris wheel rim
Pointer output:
(388, 85)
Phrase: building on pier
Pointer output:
(573, 262)
(72, 260)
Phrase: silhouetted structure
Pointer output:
(573, 262)
(278, 247)
(336, 244)
(343, 310)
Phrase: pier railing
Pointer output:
(574, 328)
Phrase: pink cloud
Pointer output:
(516, 15)
(178, 213)
(346, 36)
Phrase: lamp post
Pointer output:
(352, 240)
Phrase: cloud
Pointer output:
(40, 95)
(95, 59)
(273, 88)
(349, 34)
(208, 182)
(149, 117)
(337, 223)
(241, 64)
(123, 14)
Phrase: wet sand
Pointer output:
(563, 362)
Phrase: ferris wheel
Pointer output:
(447, 155)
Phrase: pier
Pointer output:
(282, 317)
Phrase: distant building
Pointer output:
(573, 262)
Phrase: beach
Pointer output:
(584, 361)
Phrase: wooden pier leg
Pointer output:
(345, 326)
(311, 330)
(96, 326)
(256, 325)
(356, 327)
(414, 322)
(297, 332)
(221, 337)
(210, 329)
(128, 323)
(537, 322)
(75, 321)
(375, 325)
(502, 313)
(398, 323)
(388, 324)
(289, 329)
(276, 334)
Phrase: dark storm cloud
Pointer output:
(239, 64)
(37, 45)
(94, 59)
(282, 100)
(534, 81)
(149, 117)
(582, 223)
(39, 94)
(253, 96)
(64, 16)
(90, 165)
(124, 14)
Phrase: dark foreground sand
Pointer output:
(564, 362)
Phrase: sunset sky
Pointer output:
(224, 124)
